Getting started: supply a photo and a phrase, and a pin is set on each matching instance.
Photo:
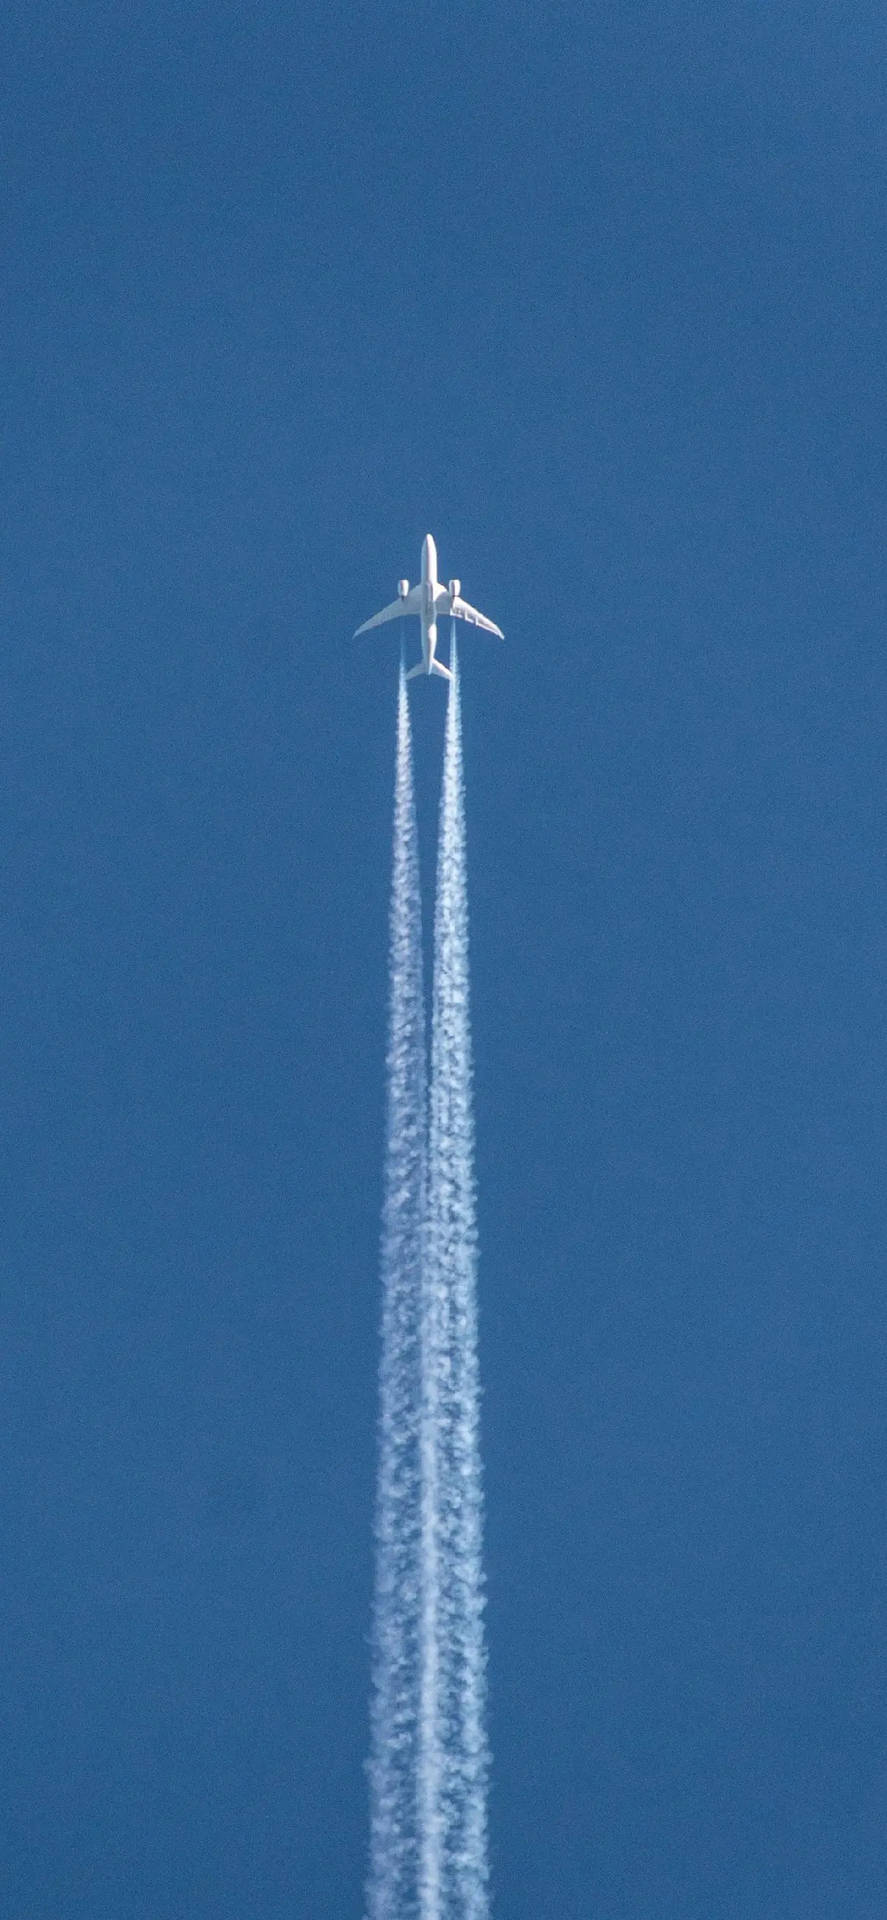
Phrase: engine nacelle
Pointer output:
(454, 588)
(403, 587)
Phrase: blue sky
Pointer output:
(597, 296)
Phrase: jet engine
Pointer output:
(403, 587)
(454, 588)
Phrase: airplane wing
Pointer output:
(411, 603)
(460, 610)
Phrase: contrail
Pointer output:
(429, 1761)
(454, 1756)
(399, 1608)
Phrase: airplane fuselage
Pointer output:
(428, 616)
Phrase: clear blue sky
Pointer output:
(597, 296)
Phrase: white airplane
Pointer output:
(431, 602)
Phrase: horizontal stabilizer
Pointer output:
(436, 667)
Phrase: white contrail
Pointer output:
(453, 1745)
(399, 1613)
(429, 1761)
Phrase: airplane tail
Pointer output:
(436, 667)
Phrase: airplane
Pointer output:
(431, 601)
